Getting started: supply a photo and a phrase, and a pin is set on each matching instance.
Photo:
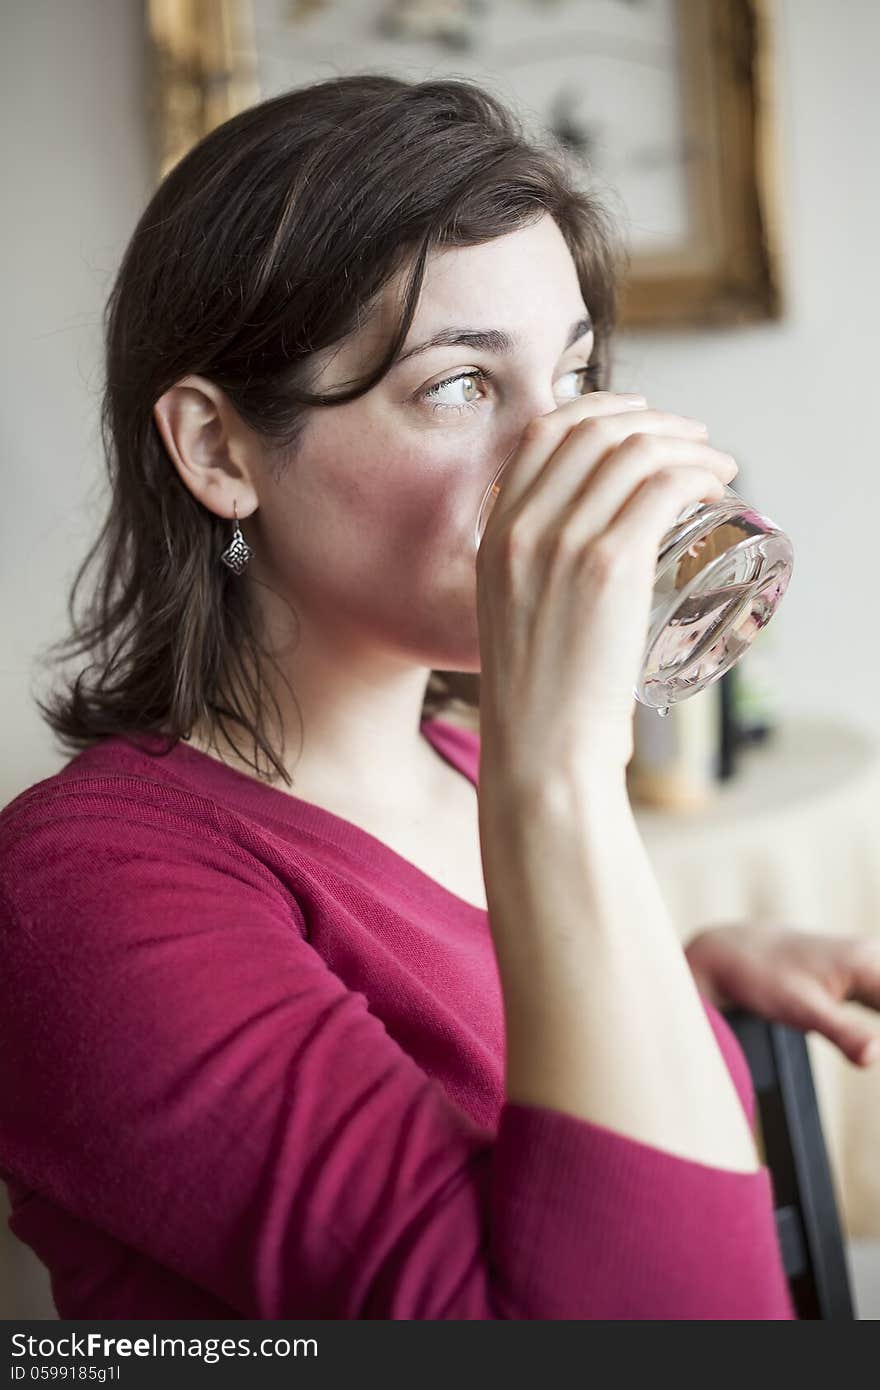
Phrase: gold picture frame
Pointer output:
(205, 67)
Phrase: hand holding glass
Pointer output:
(722, 569)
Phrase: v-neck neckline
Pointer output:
(456, 745)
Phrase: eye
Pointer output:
(589, 375)
(463, 381)
(433, 392)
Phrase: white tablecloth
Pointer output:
(794, 839)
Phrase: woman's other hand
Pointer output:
(800, 978)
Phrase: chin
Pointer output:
(460, 656)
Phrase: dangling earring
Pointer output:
(238, 552)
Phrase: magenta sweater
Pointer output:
(252, 1066)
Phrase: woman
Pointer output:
(356, 1035)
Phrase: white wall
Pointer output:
(76, 172)
(794, 401)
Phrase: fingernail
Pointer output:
(633, 398)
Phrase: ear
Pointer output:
(208, 445)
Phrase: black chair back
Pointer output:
(811, 1237)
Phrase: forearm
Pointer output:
(602, 1015)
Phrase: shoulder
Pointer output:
(110, 783)
(115, 820)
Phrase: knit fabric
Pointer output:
(252, 1066)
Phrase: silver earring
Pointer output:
(238, 552)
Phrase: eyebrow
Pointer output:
(493, 340)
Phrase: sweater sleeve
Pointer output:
(182, 1071)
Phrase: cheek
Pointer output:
(366, 513)
(380, 536)
(405, 494)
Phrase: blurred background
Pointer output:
(736, 142)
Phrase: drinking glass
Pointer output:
(722, 569)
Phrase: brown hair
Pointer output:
(271, 240)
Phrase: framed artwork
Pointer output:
(667, 107)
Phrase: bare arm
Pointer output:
(603, 1016)
(604, 1020)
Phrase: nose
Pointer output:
(538, 403)
(535, 406)
(535, 403)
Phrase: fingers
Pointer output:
(811, 1007)
(863, 966)
(856, 1041)
(600, 421)
(870, 1051)
(655, 505)
(678, 464)
(859, 961)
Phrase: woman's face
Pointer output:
(370, 531)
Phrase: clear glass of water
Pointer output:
(722, 569)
